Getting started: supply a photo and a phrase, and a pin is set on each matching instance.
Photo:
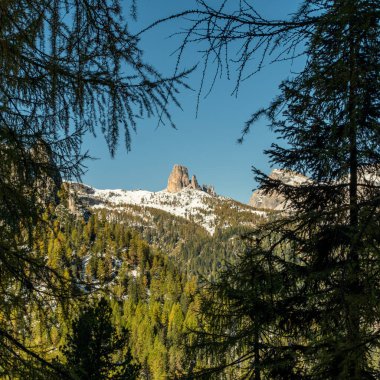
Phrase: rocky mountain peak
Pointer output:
(288, 177)
(275, 201)
(179, 180)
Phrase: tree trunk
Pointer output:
(353, 288)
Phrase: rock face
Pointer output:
(275, 201)
(209, 189)
(179, 180)
(194, 183)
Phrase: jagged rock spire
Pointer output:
(179, 179)
(194, 183)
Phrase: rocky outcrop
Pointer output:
(78, 199)
(274, 200)
(368, 180)
(288, 177)
(179, 180)
(194, 183)
(209, 189)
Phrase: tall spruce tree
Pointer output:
(94, 351)
(67, 68)
(322, 323)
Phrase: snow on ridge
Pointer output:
(178, 202)
(187, 203)
(195, 205)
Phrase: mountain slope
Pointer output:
(275, 201)
(208, 211)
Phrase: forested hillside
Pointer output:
(149, 294)
(149, 272)
(198, 238)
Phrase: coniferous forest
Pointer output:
(90, 291)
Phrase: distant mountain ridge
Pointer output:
(368, 177)
(275, 201)
(183, 198)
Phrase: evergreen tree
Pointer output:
(327, 247)
(66, 69)
(94, 351)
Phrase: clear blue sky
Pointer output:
(206, 144)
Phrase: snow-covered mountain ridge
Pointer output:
(208, 211)
(185, 198)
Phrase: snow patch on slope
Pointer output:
(195, 205)
(188, 203)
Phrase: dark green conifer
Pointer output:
(94, 350)
(66, 69)
(324, 319)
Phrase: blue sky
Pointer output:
(206, 143)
